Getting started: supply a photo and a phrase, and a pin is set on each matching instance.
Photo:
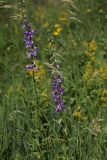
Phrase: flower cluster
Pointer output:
(58, 30)
(30, 46)
(57, 91)
(94, 69)
(104, 95)
(103, 71)
(77, 113)
(31, 69)
(88, 70)
(32, 49)
(36, 70)
(91, 52)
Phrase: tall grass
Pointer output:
(29, 127)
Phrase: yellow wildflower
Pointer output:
(103, 71)
(77, 113)
(93, 58)
(39, 73)
(92, 46)
(104, 95)
(88, 72)
(91, 51)
(45, 96)
(57, 31)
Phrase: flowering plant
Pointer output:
(57, 79)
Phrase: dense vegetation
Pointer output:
(76, 32)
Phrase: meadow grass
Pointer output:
(30, 129)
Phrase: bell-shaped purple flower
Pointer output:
(60, 106)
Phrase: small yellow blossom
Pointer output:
(92, 46)
(87, 72)
(91, 51)
(104, 95)
(57, 31)
(37, 74)
(40, 74)
(103, 71)
(44, 94)
(93, 58)
(77, 113)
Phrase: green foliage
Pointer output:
(29, 127)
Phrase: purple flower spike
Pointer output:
(29, 43)
(57, 92)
